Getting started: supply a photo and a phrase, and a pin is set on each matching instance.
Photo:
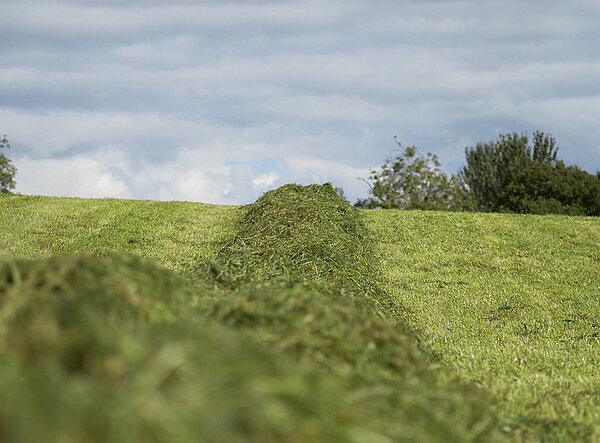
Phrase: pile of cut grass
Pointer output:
(306, 233)
(300, 280)
(385, 376)
(285, 336)
(109, 349)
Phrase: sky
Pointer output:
(219, 102)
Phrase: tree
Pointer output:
(7, 169)
(492, 166)
(554, 189)
(412, 181)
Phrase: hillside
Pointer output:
(176, 235)
(509, 301)
(367, 312)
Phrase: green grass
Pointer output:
(297, 318)
(176, 235)
(511, 303)
(301, 281)
(279, 338)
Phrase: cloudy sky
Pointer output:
(219, 101)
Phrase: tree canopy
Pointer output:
(413, 181)
(511, 174)
(492, 166)
(7, 169)
(553, 189)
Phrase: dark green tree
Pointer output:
(553, 189)
(7, 169)
(492, 166)
(412, 181)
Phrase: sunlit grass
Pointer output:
(321, 323)
(511, 302)
(176, 235)
(283, 336)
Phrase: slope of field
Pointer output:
(300, 319)
(176, 235)
(283, 336)
(512, 302)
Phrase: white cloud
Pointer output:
(69, 18)
(55, 132)
(239, 184)
(264, 181)
(71, 177)
(308, 170)
(197, 185)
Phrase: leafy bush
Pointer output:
(413, 181)
(553, 189)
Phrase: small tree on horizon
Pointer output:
(7, 169)
(413, 181)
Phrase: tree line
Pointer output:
(511, 174)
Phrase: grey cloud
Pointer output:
(193, 86)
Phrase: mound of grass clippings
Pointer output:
(71, 312)
(298, 278)
(304, 233)
(285, 336)
(384, 373)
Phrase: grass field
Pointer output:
(176, 235)
(323, 323)
(511, 302)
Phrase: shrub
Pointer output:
(553, 189)
(413, 181)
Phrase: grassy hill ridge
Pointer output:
(479, 288)
(328, 365)
(176, 235)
